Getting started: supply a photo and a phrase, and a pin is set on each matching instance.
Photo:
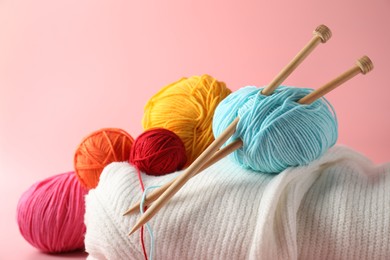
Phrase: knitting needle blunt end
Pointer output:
(323, 32)
(365, 64)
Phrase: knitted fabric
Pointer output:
(337, 207)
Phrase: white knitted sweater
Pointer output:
(338, 207)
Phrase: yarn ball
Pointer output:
(277, 132)
(99, 149)
(158, 151)
(50, 214)
(186, 107)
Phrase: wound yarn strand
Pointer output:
(277, 132)
(158, 151)
(99, 149)
(186, 107)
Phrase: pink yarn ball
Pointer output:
(50, 214)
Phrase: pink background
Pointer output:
(68, 68)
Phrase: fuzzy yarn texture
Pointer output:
(337, 207)
(158, 151)
(186, 107)
(50, 214)
(277, 132)
(99, 149)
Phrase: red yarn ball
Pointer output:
(158, 151)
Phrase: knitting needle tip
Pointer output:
(127, 212)
(133, 230)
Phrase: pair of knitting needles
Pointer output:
(211, 155)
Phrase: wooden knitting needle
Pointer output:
(215, 158)
(321, 34)
(363, 65)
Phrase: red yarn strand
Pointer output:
(142, 228)
(143, 243)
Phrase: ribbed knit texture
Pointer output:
(337, 207)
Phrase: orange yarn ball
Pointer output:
(97, 151)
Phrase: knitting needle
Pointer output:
(321, 34)
(363, 65)
(215, 158)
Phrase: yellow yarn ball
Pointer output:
(186, 107)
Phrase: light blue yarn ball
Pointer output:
(277, 132)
